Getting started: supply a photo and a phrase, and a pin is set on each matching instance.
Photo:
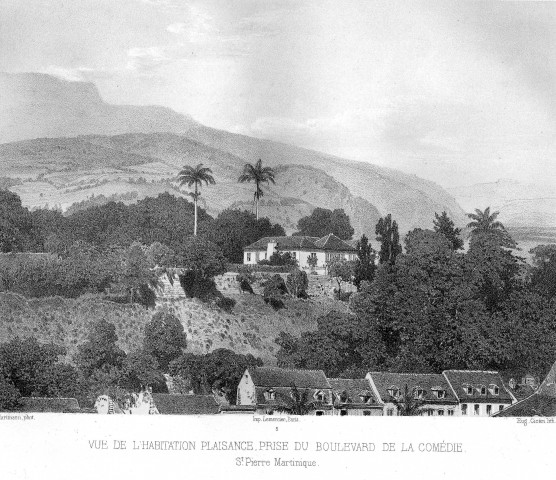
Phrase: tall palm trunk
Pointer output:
(195, 203)
(257, 196)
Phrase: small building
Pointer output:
(354, 397)
(270, 388)
(479, 393)
(432, 391)
(542, 402)
(306, 250)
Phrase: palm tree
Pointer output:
(484, 221)
(408, 404)
(258, 174)
(196, 176)
(298, 403)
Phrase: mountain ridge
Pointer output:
(44, 106)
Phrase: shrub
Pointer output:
(297, 283)
(225, 303)
(275, 287)
(275, 303)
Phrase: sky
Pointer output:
(456, 92)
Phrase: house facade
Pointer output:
(267, 389)
(354, 397)
(432, 393)
(479, 393)
(306, 250)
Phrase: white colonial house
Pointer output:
(480, 393)
(326, 250)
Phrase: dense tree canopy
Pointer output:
(388, 235)
(444, 224)
(219, 370)
(164, 339)
(434, 309)
(233, 230)
(322, 221)
(17, 232)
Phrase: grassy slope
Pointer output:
(250, 328)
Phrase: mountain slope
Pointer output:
(36, 105)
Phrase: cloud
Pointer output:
(76, 74)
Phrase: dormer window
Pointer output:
(320, 396)
(394, 391)
(482, 389)
(365, 398)
(440, 393)
(270, 394)
(493, 389)
(468, 389)
(419, 392)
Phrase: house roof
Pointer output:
(535, 405)
(521, 391)
(282, 377)
(350, 390)
(282, 396)
(45, 404)
(169, 404)
(332, 243)
(460, 379)
(542, 402)
(284, 243)
(429, 382)
(329, 242)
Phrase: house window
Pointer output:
(343, 412)
(248, 256)
(390, 412)
(489, 409)
(476, 409)
(500, 408)
(483, 390)
(366, 413)
(419, 393)
(320, 396)
(464, 409)
(441, 413)
(270, 394)
(440, 393)
(394, 392)
(468, 389)
(494, 390)
(450, 413)
(365, 398)
(430, 412)
(319, 413)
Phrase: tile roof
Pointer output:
(284, 243)
(281, 377)
(429, 382)
(350, 390)
(332, 242)
(329, 242)
(282, 396)
(541, 403)
(461, 379)
(535, 405)
(169, 404)
(46, 404)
